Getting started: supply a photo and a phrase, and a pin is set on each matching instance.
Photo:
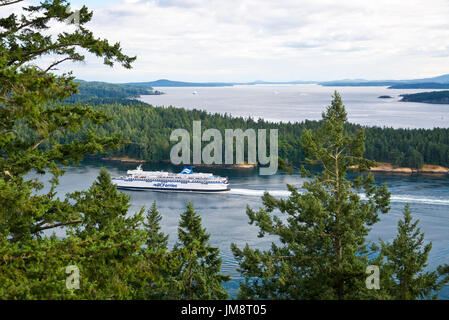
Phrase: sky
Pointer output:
(285, 40)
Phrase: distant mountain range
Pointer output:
(439, 82)
(171, 83)
(424, 83)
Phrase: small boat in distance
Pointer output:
(186, 180)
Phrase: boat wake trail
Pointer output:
(394, 198)
(259, 193)
(412, 199)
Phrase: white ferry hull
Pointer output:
(142, 184)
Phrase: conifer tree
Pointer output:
(156, 279)
(33, 263)
(404, 276)
(109, 240)
(198, 277)
(321, 252)
(156, 239)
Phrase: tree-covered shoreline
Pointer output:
(106, 90)
(436, 97)
(147, 130)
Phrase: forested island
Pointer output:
(429, 85)
(147, 130)
(437, 97)
(102, 90)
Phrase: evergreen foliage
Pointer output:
(156, 239)
(440, 97)
(33, 263)
(404, 276)
(198, 276)
(107, 240)
(147, 130)
(96, 89)
(321, 252)
(119, 256)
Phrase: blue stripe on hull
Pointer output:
(171, 189)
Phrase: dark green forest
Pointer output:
(147, 130)
(439, 97)
(97, 89)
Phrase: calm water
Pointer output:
(299, 102)
(223, 214)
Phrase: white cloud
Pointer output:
(215, 40)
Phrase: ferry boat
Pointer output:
(186, 180)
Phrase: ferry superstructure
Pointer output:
(186, 180)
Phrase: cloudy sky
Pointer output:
(245, 40)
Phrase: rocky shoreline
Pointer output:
(214, 166)
(123, 159)
(426, 169)
(382, 167)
